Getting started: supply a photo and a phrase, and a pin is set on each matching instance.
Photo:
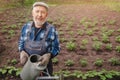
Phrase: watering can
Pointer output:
(32, 69)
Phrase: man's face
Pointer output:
(39, 14)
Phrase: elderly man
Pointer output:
(39, 37)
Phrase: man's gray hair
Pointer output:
(41, 4)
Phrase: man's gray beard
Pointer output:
(39, 23)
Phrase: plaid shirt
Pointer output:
(52, 41)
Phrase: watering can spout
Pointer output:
(31, 69)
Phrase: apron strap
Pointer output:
(48, 26)
(46, 32)
(30, 24)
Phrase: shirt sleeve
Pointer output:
(22, 38)
(54, 47)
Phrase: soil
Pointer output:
(69, 13)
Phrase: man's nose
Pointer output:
(39, 14)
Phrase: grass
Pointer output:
(113, 5)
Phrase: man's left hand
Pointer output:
(44, 60)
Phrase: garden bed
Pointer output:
(89, 37)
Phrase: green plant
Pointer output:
(72, 40)
(5, 27)
(69, 63)
(102, 74)
(112, 22)
(82, 47)
(3, 71)
(13, 26)
(117, 48)
(105, 38)
(66, 73)
(81, 32)
(71, 46)
(117, 39)
(63, 40)
(95, 38)
(71, 32)
(95, 29)
(61, 33)
(108, 46)
(114, 61)
(93, 24)
(54, 60)
(84, 41)
(19, 24)
(62, 19)
(13, 71)
(4, 31)
(83, 62)
(103, 23)
(77, 74)
(109, 32)
(11, 32)
(13, 61)
(98, 62)
(18, 71)
(118, 30)
(89, 32)
(97, 45)
(70, 23)
(83, 20)
(104, 29)
(87, 24)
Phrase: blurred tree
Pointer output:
(22, 2)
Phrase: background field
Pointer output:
(89, 33)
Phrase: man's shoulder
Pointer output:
(28, 24)
(51, 26)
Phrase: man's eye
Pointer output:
(37, 11)
(43, 12)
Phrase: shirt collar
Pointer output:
(43, 26)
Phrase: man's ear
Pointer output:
(47, 14)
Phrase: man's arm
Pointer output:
(21, 39)
(23, 54)
(54, 48)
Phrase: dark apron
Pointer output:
(35, 47)
(38, 47)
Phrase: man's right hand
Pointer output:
(23, 57)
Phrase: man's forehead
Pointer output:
(39, 8)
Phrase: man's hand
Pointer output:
(23, 57)
(44, 59)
